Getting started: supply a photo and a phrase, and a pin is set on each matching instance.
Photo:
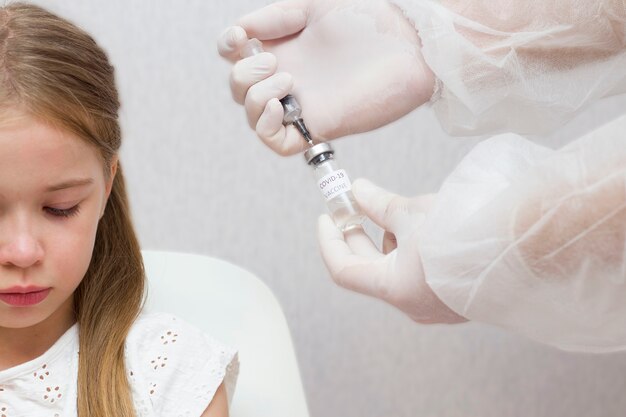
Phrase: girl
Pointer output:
(71, 273)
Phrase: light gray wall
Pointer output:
(201, 182)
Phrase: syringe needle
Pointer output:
(299, 124)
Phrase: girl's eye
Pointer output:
(62, 212)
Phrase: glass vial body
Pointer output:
(334, 184)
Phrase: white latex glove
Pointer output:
(353, 65)
(396, 275)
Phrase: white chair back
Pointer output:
(238, 309)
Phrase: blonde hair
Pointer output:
(58, 73)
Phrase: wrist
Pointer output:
(428, 86)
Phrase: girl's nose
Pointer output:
(19, 247)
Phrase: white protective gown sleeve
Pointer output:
(534, 239)
(524, 67)
(522, 236)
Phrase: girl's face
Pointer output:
(52, 194)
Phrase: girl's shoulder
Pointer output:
(173, 366)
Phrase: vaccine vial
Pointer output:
(335, 186)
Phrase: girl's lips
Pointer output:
(24, 299)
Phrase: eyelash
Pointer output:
(64, 213)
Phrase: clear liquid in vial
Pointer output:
(345, 211)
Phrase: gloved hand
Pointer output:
(353, 65)
(395, 275)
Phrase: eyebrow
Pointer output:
(70, 184)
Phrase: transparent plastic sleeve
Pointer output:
(524, 67)
(534, 240)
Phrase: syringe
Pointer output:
(333, 182)
(293, 111)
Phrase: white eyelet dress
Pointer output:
(174, 370)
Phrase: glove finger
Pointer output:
(275, 86)
(363, 274)
(270, 125)
(230, 42)
(276, 20)
(360, 243)
(250, 71)
(385, 208)
(284, 140)
(389, 242)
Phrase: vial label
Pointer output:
(335, 183)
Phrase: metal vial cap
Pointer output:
(317, 150)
